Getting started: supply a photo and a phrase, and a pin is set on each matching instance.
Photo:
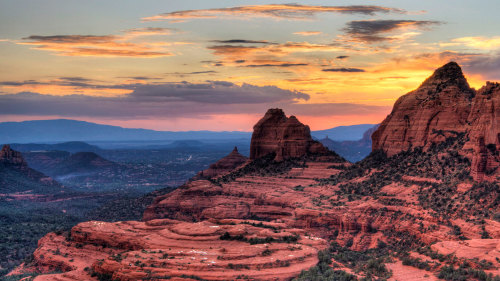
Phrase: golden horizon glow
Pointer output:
(226, 65)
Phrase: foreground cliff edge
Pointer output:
(422, 206)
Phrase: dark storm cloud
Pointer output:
(341, 57)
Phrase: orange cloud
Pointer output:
(477, 42)
(149, 31)
(269, 51)
(65, 86)
(277, 11)
(97, 46)
(307, 33)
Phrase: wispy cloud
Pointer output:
(476, 42)
(234, 51)
(277, 11)
(372, 31)
(307, 33)
(241, 41)
(184, 74)
(66, 86)
(149, 31)
(92, 45)
(271, 50)
(343, 69)
(277, 65)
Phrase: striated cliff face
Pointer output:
(225, 165)
(484, 133)
(443, 106)
(284, 136)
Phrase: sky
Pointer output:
(220, 64)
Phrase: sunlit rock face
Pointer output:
(484, 133)
(443, 106)
(282, 135)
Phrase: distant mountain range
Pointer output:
(353, 151)
(64, 130)
(72, 146)
(343, 133)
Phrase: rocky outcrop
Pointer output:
(19, 182)
(9, 156)
(443, 106)
(177, 250)
(225, 165)
(484, 133)
(282, 135)
(441, 103)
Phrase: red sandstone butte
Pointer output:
(445, 104)
(9, 156)
(282, 135)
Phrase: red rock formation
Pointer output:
(284, 136)
(7, 155)
(176, 250)
(442, 103)
(225, 165)
(484, 132)
(442, 106)
(362, 206)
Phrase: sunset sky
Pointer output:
(218, 65)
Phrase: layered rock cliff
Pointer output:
(282, 135)
(443, 106)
